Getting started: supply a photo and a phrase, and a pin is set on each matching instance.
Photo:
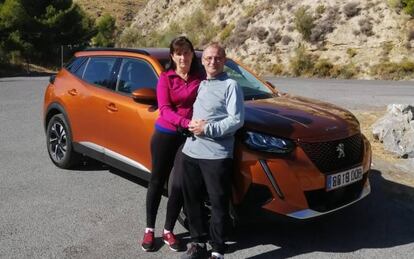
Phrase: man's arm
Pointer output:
(235, 110)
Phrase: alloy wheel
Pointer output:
(57, 141)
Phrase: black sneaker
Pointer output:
(195, 251)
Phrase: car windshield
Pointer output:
(252, 87)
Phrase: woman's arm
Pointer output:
(167, 108)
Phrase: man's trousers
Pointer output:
(214, 176)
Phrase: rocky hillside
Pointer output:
(123, 11)
(324, 38)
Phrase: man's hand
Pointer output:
(197, 126)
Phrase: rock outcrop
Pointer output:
(396, 130)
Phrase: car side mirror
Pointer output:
(145, 95)
(270, 84)
(52, 79)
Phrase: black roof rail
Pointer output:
(139, 51)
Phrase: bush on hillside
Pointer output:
(351, 9)
(410, 35)
(304, 22)
(106, 31)
(324, 26)
(226, 32)
(260, 33)
(351, 52)
(365, 26)
(286, 39)
(274, 37)
(346, 71)
(322, 68)
(393, 71)
(210, 5)
(408, 7)
(302, 63)
(276, 69)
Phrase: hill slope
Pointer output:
(124, 11)
(333, 38)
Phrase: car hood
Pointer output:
(299, 118)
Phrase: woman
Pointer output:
(176, 92)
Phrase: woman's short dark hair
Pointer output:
(178, 44)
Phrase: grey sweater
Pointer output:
(220, 102)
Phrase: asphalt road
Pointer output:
(351, 94)
(46, 212)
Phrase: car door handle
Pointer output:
(73, 92)
(112, 107)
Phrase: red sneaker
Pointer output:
(148, 241)
(170, 239)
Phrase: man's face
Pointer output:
(213, 61)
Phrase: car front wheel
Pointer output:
(59, 143)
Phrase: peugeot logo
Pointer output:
(341, 150)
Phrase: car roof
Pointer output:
(158, 53)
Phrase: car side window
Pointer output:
(99, 70)
(74, 64)
(135, 74)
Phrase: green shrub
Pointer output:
(394, 71)
(131, 37)
(276, 69)
(351, 52)
(226, 32)
(302, 63)
(210, 5)
(386, 49)
(252, 10)
(106, 28)
(304, 22)
(396, 4)
(408, 6)
(322, 68)
(320, 9)
(346, 71)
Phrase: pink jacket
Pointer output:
(175, 99)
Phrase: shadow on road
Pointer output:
(383, 219)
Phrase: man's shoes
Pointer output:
(216, 256)
(148, 241)
(170, 239)
(195, 251)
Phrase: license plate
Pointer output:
(341, 179)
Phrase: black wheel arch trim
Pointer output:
(49, 114)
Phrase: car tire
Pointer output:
(59, 143)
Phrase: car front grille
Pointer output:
(322, 200)
(329, 158)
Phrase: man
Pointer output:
(207, 157)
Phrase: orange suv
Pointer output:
(294, 156)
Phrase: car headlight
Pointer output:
(266, 143)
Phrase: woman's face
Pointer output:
(182, 59)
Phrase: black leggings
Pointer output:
(164, 148)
